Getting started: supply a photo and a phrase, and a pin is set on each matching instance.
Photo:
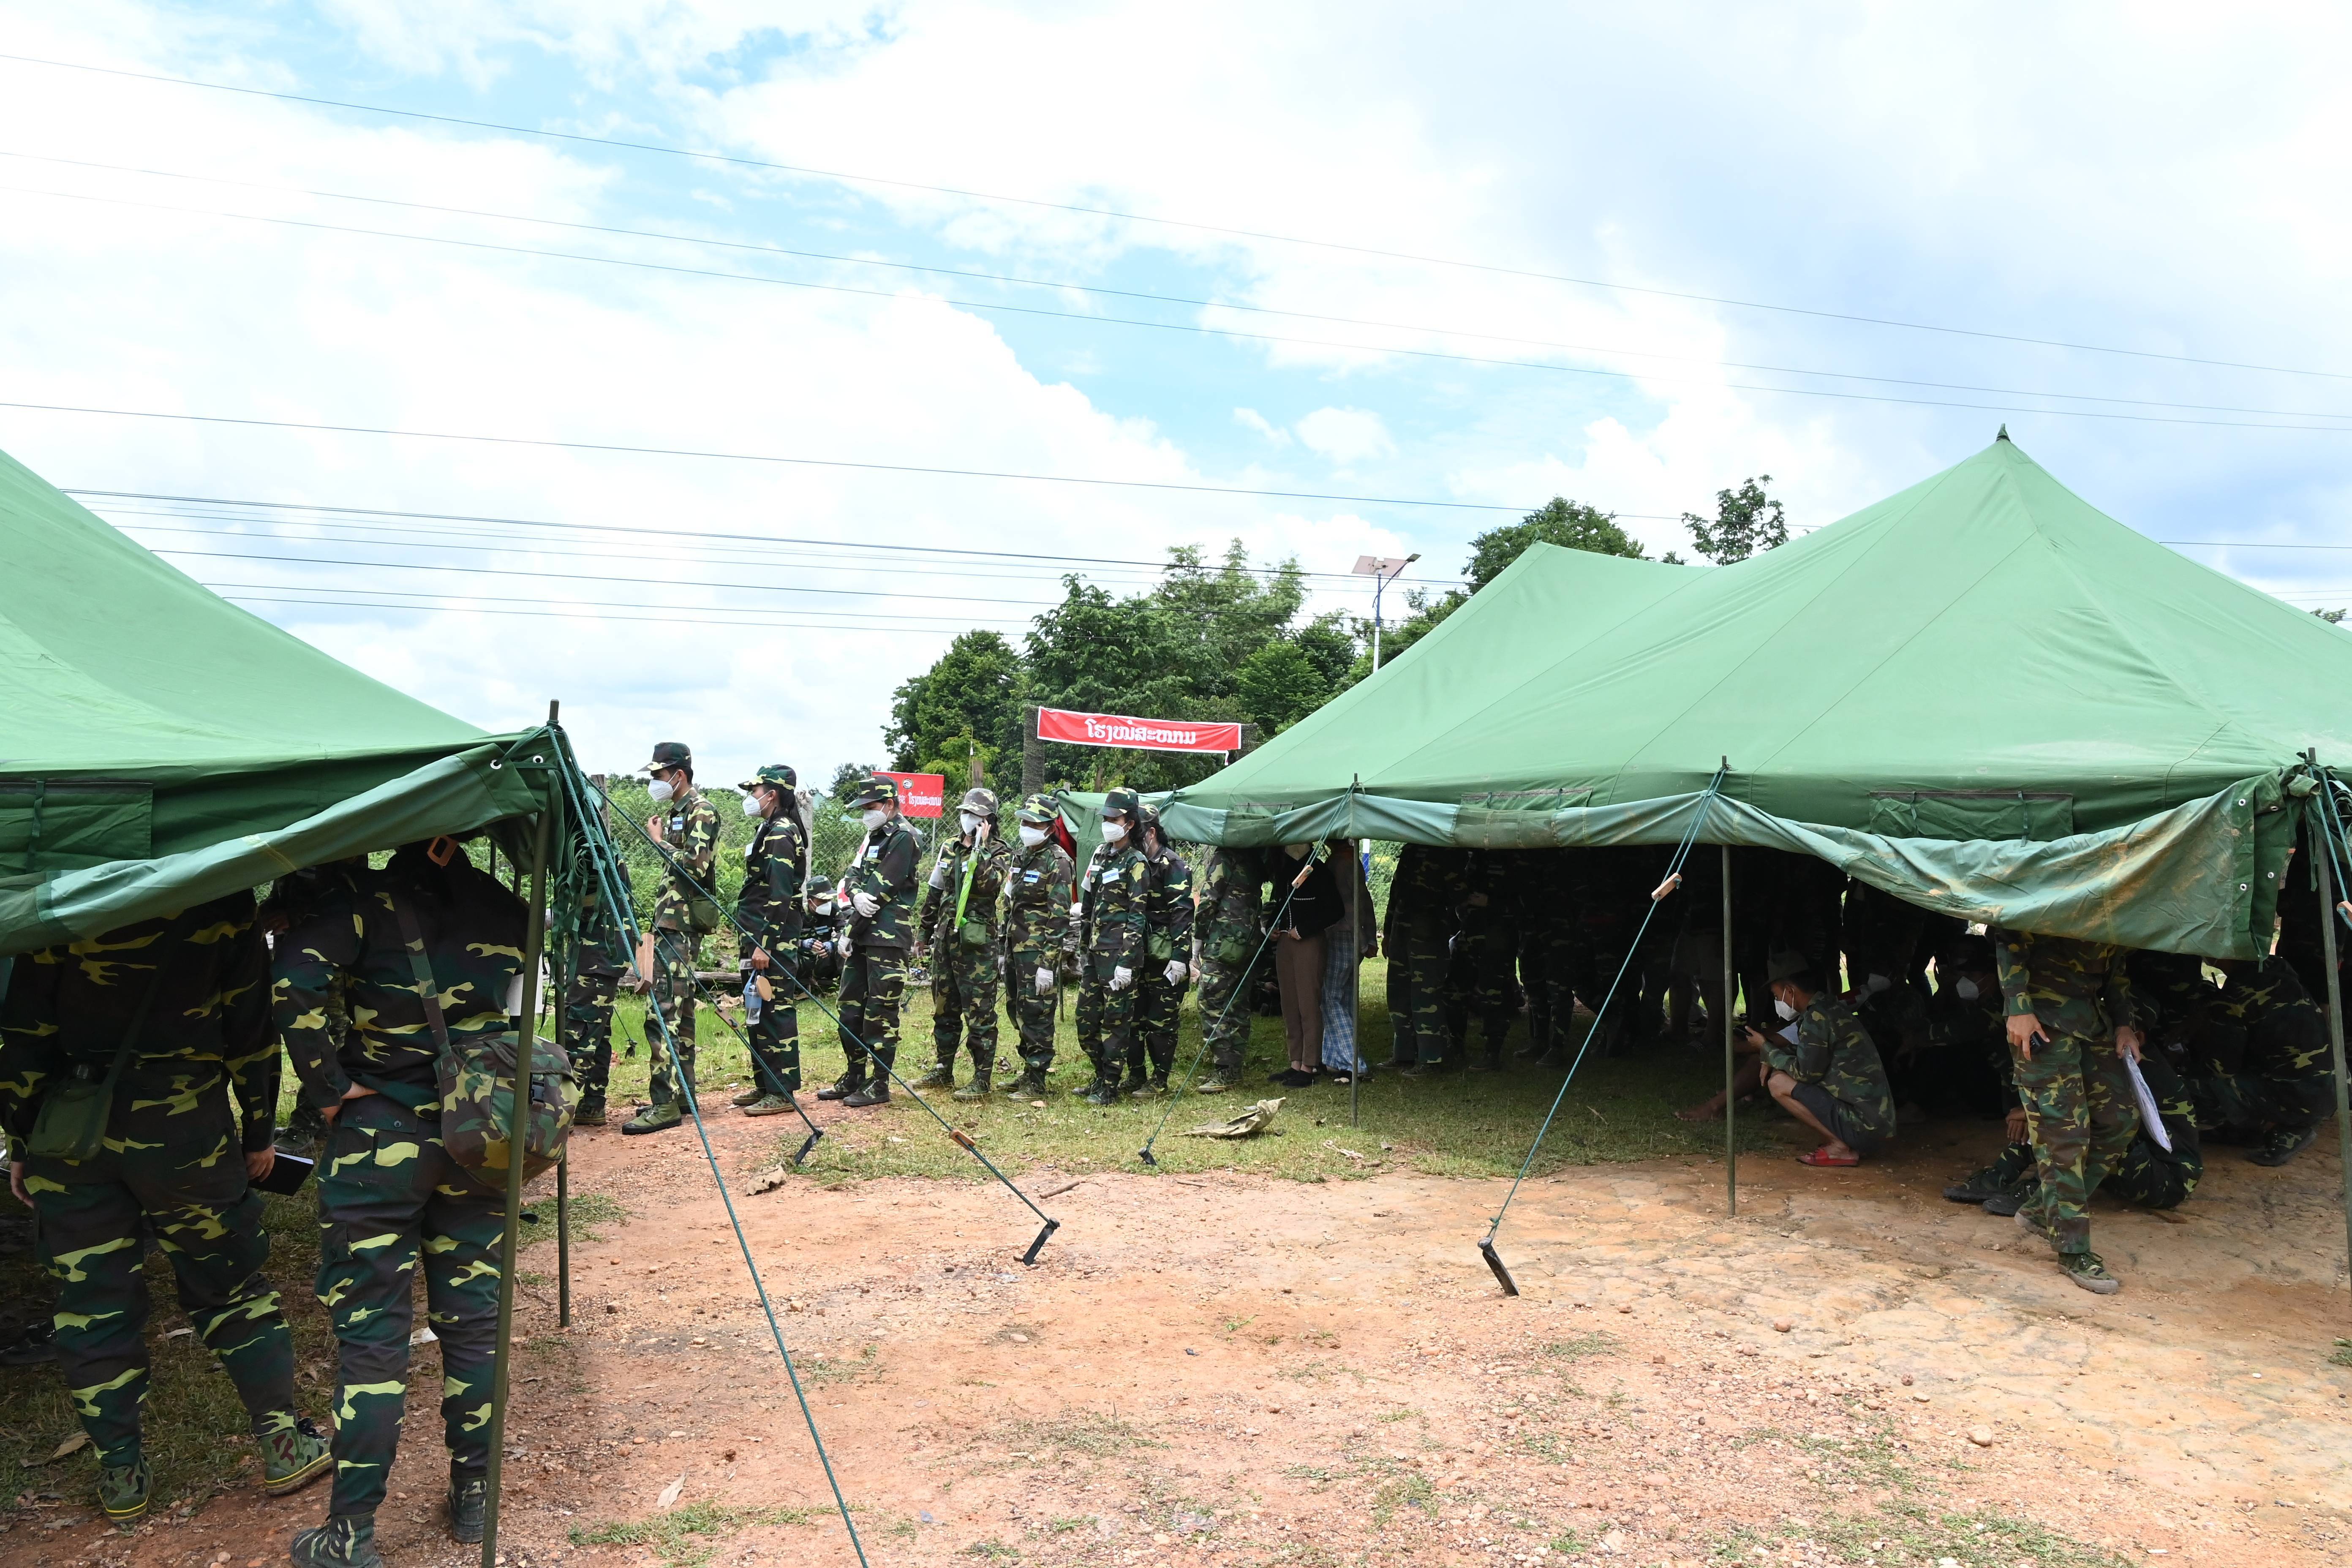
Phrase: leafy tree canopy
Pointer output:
(969, 698)
(1747, 522)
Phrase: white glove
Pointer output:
(864, 904)
(841, 944)
(1178, 972)
(1121, 978)
(1045, 981)
(939, 875)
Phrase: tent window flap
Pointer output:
(1997, 814)
(69, 825)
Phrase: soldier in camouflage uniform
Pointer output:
(390, 1197)
(1108, 941)
(2070, 1023)
(2262, 1066)
(958, 921)
(598, 961)
(819, 964)
(1036, 923)
(1229, 936)
(686, 826)
(768, 908)
(2149, 1175)
(1424, 903)
(179, 1001)
(1831, 1078)
(1167, 970)
(880, 887)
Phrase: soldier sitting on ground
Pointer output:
(1830, 1077)
(2264, 1071)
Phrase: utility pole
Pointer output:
(1382, 570)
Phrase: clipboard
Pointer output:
(2150, 1116)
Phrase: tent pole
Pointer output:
(534, 945)
(2318, 840)
(560, 980)
(1730, 1059)
(1359, 887)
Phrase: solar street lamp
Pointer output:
(1382, 570)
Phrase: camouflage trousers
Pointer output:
(2147, 1177)
(873, 989)
(1033, 1016)
(588, 1020)
(1105, 1018)
(774, 1041)
(675, 956)
(1226, 1012)
(2292, 1096)
(388, 1192)
(2079, 1107)
(963, 1002)
(1479, 981)
(187, 1184)
(1158, 1006)
(1417, 964)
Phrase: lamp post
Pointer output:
(1382, 570)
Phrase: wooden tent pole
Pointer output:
(534, 945)
(2318, 840)
(1730, 1057)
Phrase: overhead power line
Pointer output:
(1118, 215)
(700, 534)
(623, 449)
(682, 618)
(1090, 318)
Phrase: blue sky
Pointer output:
(2159, 180)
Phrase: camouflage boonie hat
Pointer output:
(1122, 803)
(1785, 965)
(1039, 808)
(775, 773)
(876, 791)
(670, 754)
(978, 802)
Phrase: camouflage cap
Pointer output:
(876, 791)
(1785, 965)
(1039, 808)
(669, 755)
(978, 802)
(1122, 803)
(775, 773)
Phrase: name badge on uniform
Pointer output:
(1029, 876)
(1109, 877)
(677, 825)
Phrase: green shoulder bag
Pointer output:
(72, 1122)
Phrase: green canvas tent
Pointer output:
(1981, 694)
(160, 746)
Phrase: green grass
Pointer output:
(584, 1212)
(1095, 1435)
(685, 1537)
(1467, 1125)
(1582, 1346)
(2343, 1356)
(1900, 1535)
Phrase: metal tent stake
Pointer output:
(1495, 1261)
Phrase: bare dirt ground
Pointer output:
(1229, 1369)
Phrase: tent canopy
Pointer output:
(1984, 659)
(157, 741)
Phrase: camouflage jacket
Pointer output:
(2286, 1032)
(775, 863)
(1227, 917)
(884, 869)
(2074, 987)
(473, 931)
(200, 976)
(1108, 930)
(1835, 1051)
(1036, 914)
(945, 890)
(690, 834)
(1427, 893)
(1486, 875)
(1167, 907)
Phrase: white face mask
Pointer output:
(1787, 1013)
(1032, 837)
(1965, 989)
(751, 807)
(874, 817)
(970, 823)
(660, 790)
(1114, 832)
(1878, 982)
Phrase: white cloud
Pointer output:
(1346, 435)
(1251, 419)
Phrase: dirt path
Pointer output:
(1229, 1369)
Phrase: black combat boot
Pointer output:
(469, 1498)
(847, 1084)
(941, 1076)
(345, 1541)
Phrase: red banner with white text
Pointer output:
(1138, 734)
(919, 794)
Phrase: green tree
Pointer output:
(969, 698)
(1747, 522)
(1571, 524)
(846, 778)
(1280, 684)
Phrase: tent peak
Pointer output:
(2001, 434)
